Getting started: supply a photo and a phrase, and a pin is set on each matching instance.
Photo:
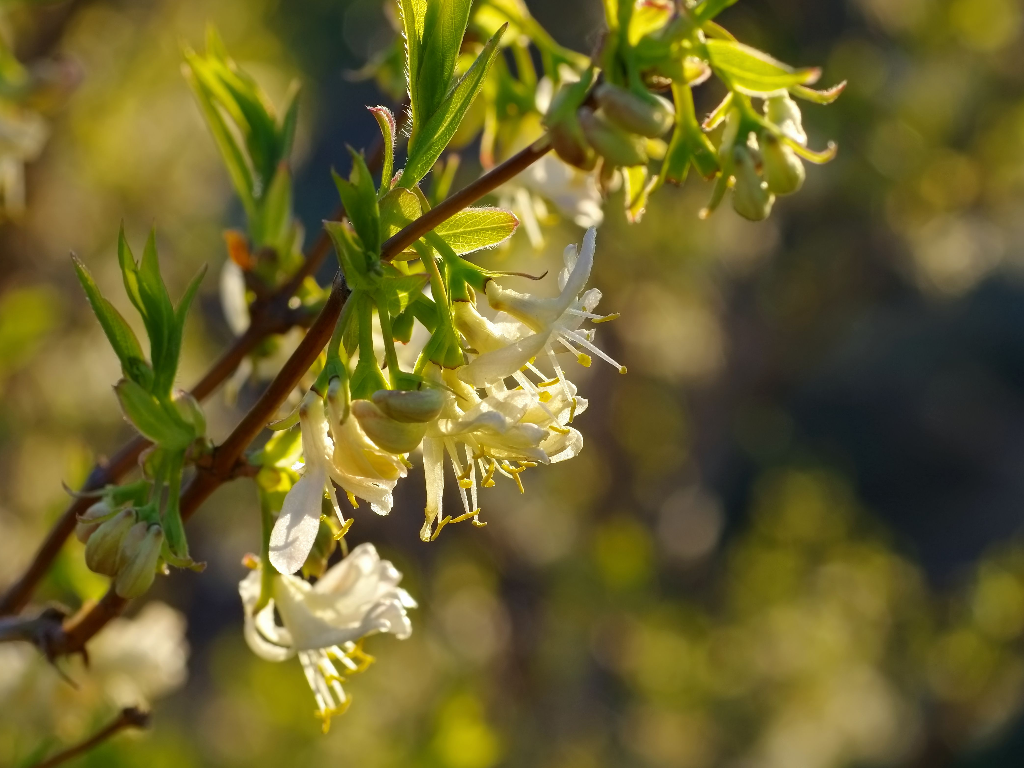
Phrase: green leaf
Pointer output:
(158, 318)
(709, 9)
(401, 290)
(230, 150)
(181, 314)
(413, 13)
(273, 226)
(360, 200)
(475, 228)
(427, 146)
(444, 25)
(754, 72)
(388, 129)
(163, 426)
(433, 36)
(826, 96)
(398, 209)
(122, 338)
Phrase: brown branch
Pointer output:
(270, 316)
(130, 717)
(79, 629)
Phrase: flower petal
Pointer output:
(297, 526)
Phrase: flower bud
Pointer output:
(616, 145)
(785, 113)
(91, 519)
(782, 168)
(190, 411)
(570, 145)
(750, 197)
(104, 546)
(140, 554)
(386, 433)
(409, 407)
(646, 114)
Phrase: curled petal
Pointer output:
(297, 526)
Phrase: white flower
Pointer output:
(350, 460)
(504, 433)
(548, 325)
(324, 623)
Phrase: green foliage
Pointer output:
(754, 72)
(254, 140)
(435, 125)
(155, 420)
(477, 228)
(388, 131)
(360, 200)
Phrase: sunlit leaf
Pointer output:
(476, 228)
(754, 72)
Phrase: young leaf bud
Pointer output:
(570, 145)
(646, 114)
(104, 546)
(617, 146)
(91, 519)
(190, 411)
(386, 433)
(140, 553)
(782, 168)
(785, 113)
(409, 407)
(750, 197)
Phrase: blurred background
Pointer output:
(792, 537)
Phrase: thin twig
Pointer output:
(129, 717)
(270, 316)
(79, 629)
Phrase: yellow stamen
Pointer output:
(549, 383)
(352, 500)
(544, 397)
(572, 410)
(584, 359)
(344, 529)
(559, 430)
(606, 318)
(488, 479)
(330, 712)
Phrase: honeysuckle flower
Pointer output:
(503, 433)
(349, 459)
(324, 623)
(549, 325)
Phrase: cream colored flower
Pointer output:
(547, 326)
(324, 623)
(349, 459)
(503, 433)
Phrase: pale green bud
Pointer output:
(388, 434)
(323, 546)
(570, 145)
(785, 113)
(783, 170)
(409, 407)
(614, 144)
(646, 114)
(750, 197)
(190, 411)
(91, 519)
(104, 546)
(140, 554)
